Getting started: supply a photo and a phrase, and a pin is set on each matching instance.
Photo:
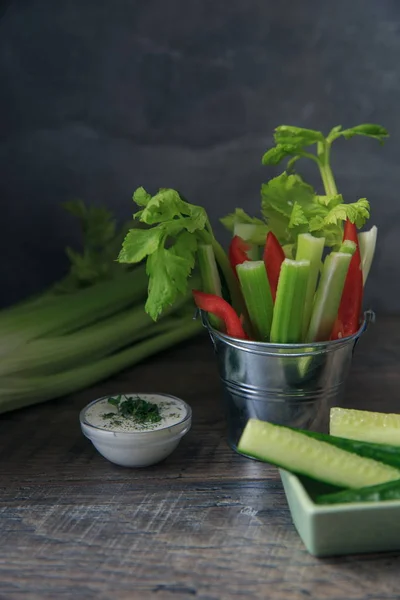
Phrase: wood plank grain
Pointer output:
(209, 541)
(207, 523)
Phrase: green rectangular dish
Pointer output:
(342, 528)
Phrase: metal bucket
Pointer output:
(286, 384)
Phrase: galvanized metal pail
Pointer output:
(286, 384)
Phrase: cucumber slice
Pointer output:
(365, 425)
(373, 493)
(390, 455)
(295, 452)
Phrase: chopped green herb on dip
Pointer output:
(137, 409)
(135, 413)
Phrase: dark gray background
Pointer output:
(99, 97)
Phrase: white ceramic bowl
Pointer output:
(137, 448)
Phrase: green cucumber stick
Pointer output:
(257, 296)
(210, 279)
(287, 321)
(328, 296)
(372, 493)
(310, 248)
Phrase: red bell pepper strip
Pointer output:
(238, 249)
(273, 259)
(348, 320)
(221, 309)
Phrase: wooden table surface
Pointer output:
(205, 524)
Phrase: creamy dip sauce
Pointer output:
(105, 416)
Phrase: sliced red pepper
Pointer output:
(273, 259)
(221, 309)
(348, 320)
(238, 249)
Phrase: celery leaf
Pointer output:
(297, 136)
(367, 129)
(297, 216)
(141, 197)
(169, 244)
(291, 207)
(356, 212)
(330, 201)
(140, 243)
(278, 198)
(275, 155)
(291, 141)
(168, 270)
(101, 241)
(240, 216)
(164, 206)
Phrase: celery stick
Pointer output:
(348, 247)
(210, 279)
(211, 282)
(367, 243)
(288, 315)
(122, 289)
(230, 278)
(250, 232)
(69, 313)
(246, 231)
(17, 392)
(51, 354)
(310, 248)
(328, 296)
(257, 296)
(288, 250)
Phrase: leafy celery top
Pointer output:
(291, 206)
(174, 229)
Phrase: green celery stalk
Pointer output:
(246, 231)
(367, 243)
(68, 313)
(255, 234)
(287, 321)
(328, 296)
(310, 248)
(348, 247)
(18, 392)
(210, 279)
(288, 250)
(211, 282)
(257, 296)
(51, 354)
(227, 271)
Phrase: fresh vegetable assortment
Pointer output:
(295, 275)
(368, 471)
